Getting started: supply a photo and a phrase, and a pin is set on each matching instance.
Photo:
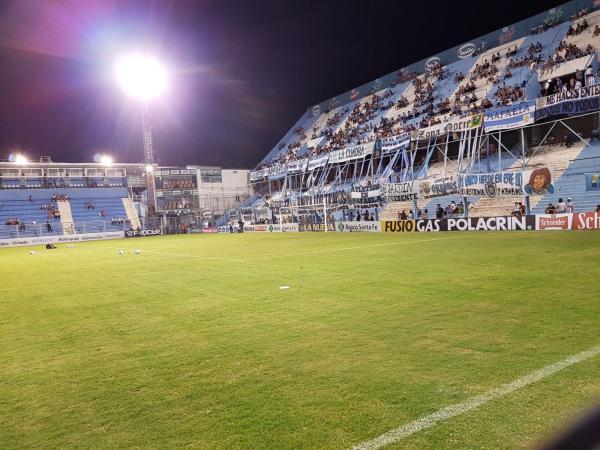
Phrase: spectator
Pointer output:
(561, 207)
(569, 205)
(596, 132)
(550, 209)
(48, 227)
(439, 212)
(403, 215)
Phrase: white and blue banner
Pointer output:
(277, 171)
(401, 192)
(438, 187)
(578, 101)
(499, 184)
(351, 153)
(297, 166)
(393, 143)
(256, 175)
(319, 161)
(507, 117)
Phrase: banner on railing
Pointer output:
(393, 143)
(257, 175)
(317, 162)
(456, 125)
(366, 194)
(277, 171)
(438, 187)
(499, 184)
(350, 153)
(507, 117)
(401, 192)
(578, 101)
(297, 166)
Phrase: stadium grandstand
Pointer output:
(447, 298)
(433, 139)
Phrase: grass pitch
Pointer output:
(193, 344)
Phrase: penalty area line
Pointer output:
(472, 403)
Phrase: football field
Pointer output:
(194, 344)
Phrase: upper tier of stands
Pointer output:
(499, 76)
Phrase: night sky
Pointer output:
(242, 72)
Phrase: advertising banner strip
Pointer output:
(500, 223)
(18, 242)
(359, 226)
(507, 117)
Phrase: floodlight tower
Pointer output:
(143, 78)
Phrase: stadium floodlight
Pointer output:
(20, 159)
(149, 168)
(106, 160)
(141, 77)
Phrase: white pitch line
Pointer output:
(472, 403)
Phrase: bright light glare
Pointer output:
(149, 168)
(141, 77)
(106, 160)
(20, 159)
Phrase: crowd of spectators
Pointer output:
(365, 121)
(60, 197)
(452, 210)
(578, 29)
(564, 52)
(507, 94)
(561, 207)
(51, 210)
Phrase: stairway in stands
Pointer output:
(132, 214)
(66, 217)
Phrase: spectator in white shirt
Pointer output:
(570, 207)
(561, 207)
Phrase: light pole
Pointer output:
(143, 78)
